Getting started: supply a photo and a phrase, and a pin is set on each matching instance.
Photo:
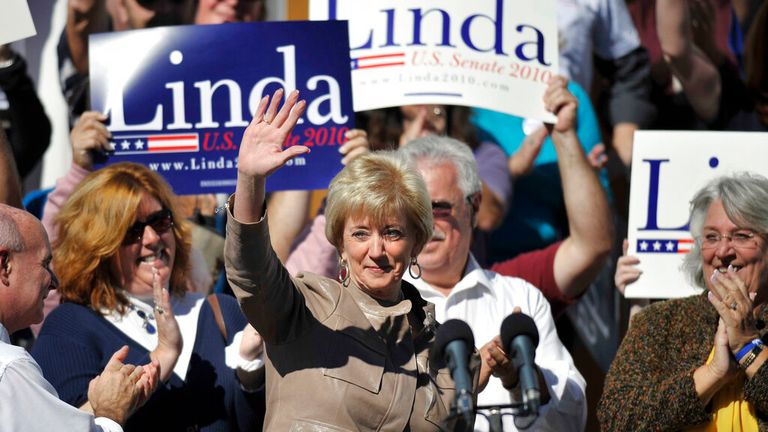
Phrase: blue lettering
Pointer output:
(390, 28)
(497, 25)
(538, 43)
(651, 223)
(446, 32)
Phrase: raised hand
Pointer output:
(597, 157)
(5, 52)
(415, 127)
(522, 161)
(169, 342)
(627, 271)
(89, 135)
(261, 150)
(702, 16)
(357, 144)
(560, 101)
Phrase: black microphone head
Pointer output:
(515, 325)
(448, 332)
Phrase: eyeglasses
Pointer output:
(740, 239)
(443, 209)
(160, 221)
(152, 4)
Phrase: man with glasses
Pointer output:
(29, 402)
(451, 278)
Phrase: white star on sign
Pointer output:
(644, 245)
(670, 246)
(657, 245)
(139, 144)
(125, 145)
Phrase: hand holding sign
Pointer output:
(261, 152)
(89, 136)
(558, 100)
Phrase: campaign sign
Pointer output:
(495, 54)
(668, 168)
(15, 21)
(179, 98)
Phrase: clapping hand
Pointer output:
(169, 342)
(730, 296)
(122, 388)
(496, 362)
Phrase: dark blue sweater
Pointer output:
(76, 343)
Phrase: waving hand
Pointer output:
(262, 153)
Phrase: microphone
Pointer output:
(520, 337)
(453, 345)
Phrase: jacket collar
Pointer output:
(421, 318)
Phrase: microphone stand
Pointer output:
(494, 416)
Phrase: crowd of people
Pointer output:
(145, 310)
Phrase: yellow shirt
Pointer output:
(730, 411)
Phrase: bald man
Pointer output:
(29, 401)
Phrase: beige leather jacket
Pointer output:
(328, 368)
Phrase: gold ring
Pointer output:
(159, 310)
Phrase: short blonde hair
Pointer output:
(379, 185)
(92, 226)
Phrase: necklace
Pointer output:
(148, 326)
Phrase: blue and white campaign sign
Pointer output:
(668, 168)
(179, 98)
(495, 54)
(15, 21)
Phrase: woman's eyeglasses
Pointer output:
(160, 221)
(742, 239)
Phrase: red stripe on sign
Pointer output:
(380, 56)
(381, 65)
(173, 148)
(171, 137)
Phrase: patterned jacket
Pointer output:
(650, 385)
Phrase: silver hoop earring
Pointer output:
(343, 275)
(418, 267)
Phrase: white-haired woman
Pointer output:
(698, 363)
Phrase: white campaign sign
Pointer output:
(495, 54)
(15, 21)
(668, 168)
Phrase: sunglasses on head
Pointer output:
(160, 221)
